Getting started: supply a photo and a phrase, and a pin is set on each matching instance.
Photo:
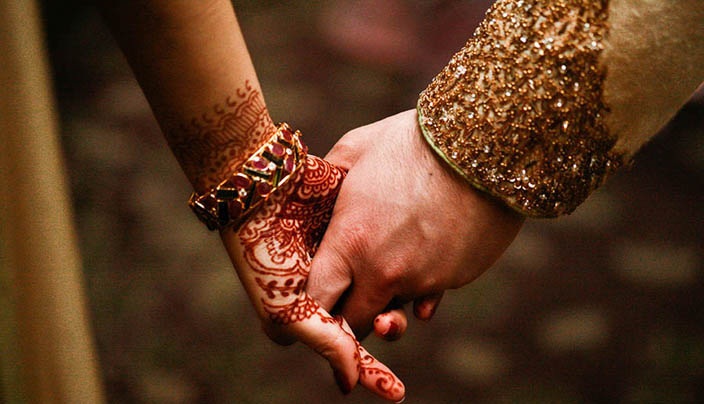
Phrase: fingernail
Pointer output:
(392, 331)
(401, 400)
(431, 311)
(342, 382)
(425, 311)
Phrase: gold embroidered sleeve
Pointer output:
(521, 111)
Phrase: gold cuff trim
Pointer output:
(519, 111)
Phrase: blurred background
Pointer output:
(603, 306)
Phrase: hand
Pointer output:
(405, 227)
(272, 253)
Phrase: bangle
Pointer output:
(270, 167)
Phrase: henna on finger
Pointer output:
(272, 250)
(272, 255)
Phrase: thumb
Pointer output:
(325, 335)
(332, 338)
(373, 374)
(330, 276)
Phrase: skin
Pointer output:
(206, 97)
(272, 252)
(399, 203)
(191, 80)
(386, 216)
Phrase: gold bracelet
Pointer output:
(270, 167)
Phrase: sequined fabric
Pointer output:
(519, 111)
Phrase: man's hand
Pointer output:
(405, 227)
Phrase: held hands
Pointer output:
(402, 228)
(272, 253)
(405, 228)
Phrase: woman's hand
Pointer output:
(405, 228)
(272, 253)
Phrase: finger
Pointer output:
(332, 338)
(391, 325)
(341, 157)
(360, 308)
(278, 335)
(325, 335)
(424, 307)
(374, 375)
(271, 260)
(329, 275)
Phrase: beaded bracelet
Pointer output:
(231, 201)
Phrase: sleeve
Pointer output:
(548, 98)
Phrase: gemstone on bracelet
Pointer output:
(223, 212)
(241, 181)
(287, 136)
(264, 189)
(259, 167)
(208, 203)
(235, 208)
(277, 150)
(289, 164)
(258, 164)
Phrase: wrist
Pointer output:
(214, 144)
(276, 162)
(461, 182)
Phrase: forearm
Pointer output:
(549, 98)
(192, 63)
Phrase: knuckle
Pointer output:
(345, 145)
(345, 150)
(393, 274)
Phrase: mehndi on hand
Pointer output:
(272, 252)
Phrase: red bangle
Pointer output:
(234, 199)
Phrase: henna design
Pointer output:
(275, 249)
(288, 287)
(300, 309)
(291, 225)
(279, 242)
(211, 146)
(369, 367)
(386, 381)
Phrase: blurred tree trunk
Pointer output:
(48, 353)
